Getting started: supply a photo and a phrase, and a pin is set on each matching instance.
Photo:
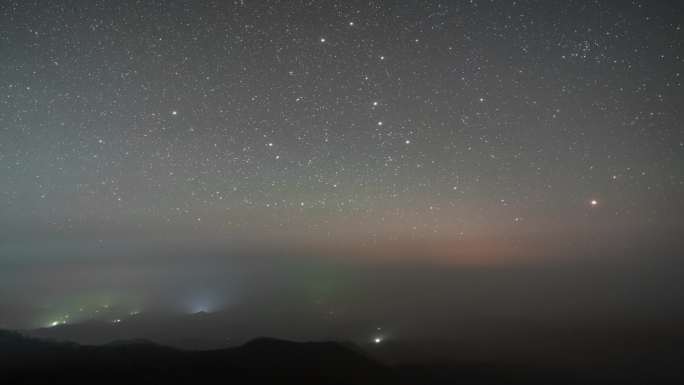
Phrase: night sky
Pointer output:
(358, 159)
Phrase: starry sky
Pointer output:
(195, 154)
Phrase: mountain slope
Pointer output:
(29, 360)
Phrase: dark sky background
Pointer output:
(402, 163)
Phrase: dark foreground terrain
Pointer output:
(28, 360)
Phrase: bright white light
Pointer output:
(377, 340)
(174, 112)
(57, 323)
(594, 202)
(116, 321)
(201, 306)
(202, 301)
(322, 40)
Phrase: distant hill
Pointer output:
(33, 361)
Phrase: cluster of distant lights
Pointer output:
(67, 318)
(376, 339)
(63, 320)
(106, 313)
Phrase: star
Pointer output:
(85, 134)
